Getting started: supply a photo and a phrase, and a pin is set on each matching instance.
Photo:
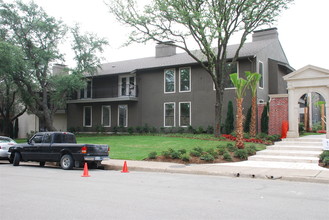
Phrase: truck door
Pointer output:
(44, 149)
(31, 152)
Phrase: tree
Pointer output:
(264, 119)
(208, 24)
(253, 84)
(229, 121)
(246, 127)
(241, 86)
(38, 35)
(10, 104)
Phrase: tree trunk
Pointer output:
(253, 116)
(239, 124)
(218, 112)
(48, 120)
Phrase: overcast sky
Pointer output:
(303, 30)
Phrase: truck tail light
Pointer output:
(108, 149)
(84, 149)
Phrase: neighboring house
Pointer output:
(170, 89)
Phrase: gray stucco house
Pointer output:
(171, 89)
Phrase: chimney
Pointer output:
(59, 69)
(164, 50)
(266, 34)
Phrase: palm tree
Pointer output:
(253, 79)
(241, 86)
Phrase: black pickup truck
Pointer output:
(58, 147)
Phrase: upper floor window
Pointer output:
(169, 80)
(185, 79)
(261, 72)
(234, 69)
(127, 85)
(86, 92)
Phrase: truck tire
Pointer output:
(17, 159)
(42, 164)
(67, 162)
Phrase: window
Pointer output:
(185, 79)
(106, 116)
(87, 116)
(234, 69)
(169, 80)
(86, 93)
(169, 114)
(261, 72)
(184, 114)
(127, 85)
(123, 115)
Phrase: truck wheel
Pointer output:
(67, 162)
(17, 159)
(42, 164)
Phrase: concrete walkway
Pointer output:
(304, 172)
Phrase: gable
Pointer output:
(308, 72)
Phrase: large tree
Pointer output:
(208, 24)
(11, 106)
(39, 35)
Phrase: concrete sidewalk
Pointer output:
(245, 169)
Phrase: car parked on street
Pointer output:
(5, 144)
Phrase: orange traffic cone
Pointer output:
(125, 168)
(85, 171)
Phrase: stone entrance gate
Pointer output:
(306, 80)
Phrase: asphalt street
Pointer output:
(32, 192)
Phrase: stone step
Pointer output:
(293, 159)
(298, 143)
(295, 148)
(318, 140)
(289, 153)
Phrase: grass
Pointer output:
(137, 147)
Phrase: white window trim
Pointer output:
(189, 78)
(262, 75)
(164, 114)
(164, 81)
(84, 116)
(119, 116)
(127, 83)
(238, 70)
(110, 121)
(180, 114)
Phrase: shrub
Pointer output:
(210, 129)
(274, 137)
(227, 156)
(317, 126)
(175, 154)
(324, 154)
(261, 136)
(241, 153)
(115, 129)
(229, 121)
(153, 130)
(200, 130)
(146, 129)
(152, 155)
(130, 130)
(246, 135)
(191, 130)
(212, 152)
(221, 150)
(181, 130)
(251, 150)
(230, 147)
(185, 157)
(199, 149)
(166, 154)
(139, 129)
(326, 161)
(207, 157)
(195, 153)
(301, 128)
(182, 151)
(162, 129)
(264, 119)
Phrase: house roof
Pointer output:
(128, 66)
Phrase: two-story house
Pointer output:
(171, 89)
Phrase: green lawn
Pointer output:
(137, 147)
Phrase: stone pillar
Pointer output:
(327, 119)
(293, 114)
